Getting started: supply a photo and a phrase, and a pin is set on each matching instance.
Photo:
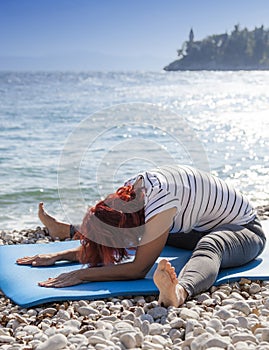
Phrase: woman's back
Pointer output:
(203, 201)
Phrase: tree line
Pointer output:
(242, 49)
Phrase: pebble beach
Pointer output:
(231, 316)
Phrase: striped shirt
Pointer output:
(202, 200)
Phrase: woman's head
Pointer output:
(111, 226)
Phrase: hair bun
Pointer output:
(126, 193)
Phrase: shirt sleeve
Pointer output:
(157, 197)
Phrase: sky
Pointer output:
(113, 34)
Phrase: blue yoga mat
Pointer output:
(19, 283)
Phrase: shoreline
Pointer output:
(232, 316)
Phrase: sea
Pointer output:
(69, 138)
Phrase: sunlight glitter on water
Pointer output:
(227, 111)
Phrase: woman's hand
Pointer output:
(38, 260)
(64, 280)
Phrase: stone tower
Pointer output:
(191, 36)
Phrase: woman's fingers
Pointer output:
(27, 260)
(48, 283)
(55, 282)
(37, 260)
(63, 280)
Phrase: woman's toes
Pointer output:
(162, 264)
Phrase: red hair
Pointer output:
(111, 226)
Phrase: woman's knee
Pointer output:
(211, 246)
(239, 246)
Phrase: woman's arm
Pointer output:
(155, 237)
(50, 258)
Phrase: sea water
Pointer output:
(68, 138)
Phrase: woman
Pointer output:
(175, 205)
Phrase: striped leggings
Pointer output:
(226, 246)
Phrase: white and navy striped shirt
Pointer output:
(202, 200)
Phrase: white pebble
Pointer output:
(198, 342)
(87, 310)
(105, 312)
(111, 318)
(100, 347)
(244, 337)
(215, 323)
(75, 324)
(56, 342)
(139, 311)
(6, 339)
(128, 340)
(40, 336)
(175, 334)
(78, 339)
(223, 314)
(186, 314)
(216, 342)
(126, 303)
(50, 311)
(97, 340)
(50, 331)
(190, 325)
(236, 295)
(145, 327)
(264, 312)
(265, 334)
(219, 294)
(63, 315)
(202, 297)
(242, 346)
(139, 339)
(128, 316)
(68, 330)
(33, 343)
(31, 329)
(243, 322)
(4, 332)
(147, 345)
(158, 339)
(177, 323)
(140, 301)
(155, 329)
(115, 308)
(123, 325)
(254, 288)
(232, 321)
(242, 306)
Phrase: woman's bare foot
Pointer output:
(56, 229)
(165, 278)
